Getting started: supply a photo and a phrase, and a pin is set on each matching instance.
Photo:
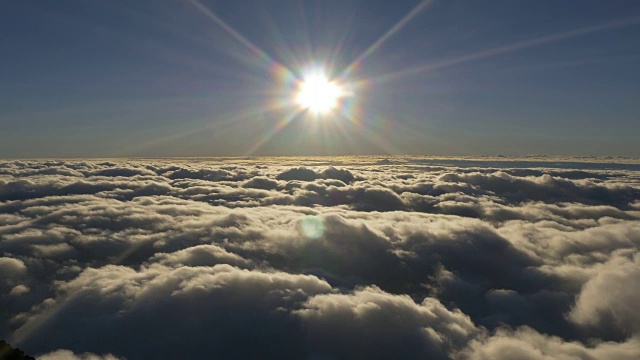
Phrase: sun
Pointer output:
(318, 94)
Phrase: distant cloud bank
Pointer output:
(325, 258)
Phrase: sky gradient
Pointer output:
(214, 78)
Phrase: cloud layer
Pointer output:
(321, 258)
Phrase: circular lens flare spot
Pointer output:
(318, 94)
(312, 227)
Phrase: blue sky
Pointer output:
(166, 78)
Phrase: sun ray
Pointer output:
(392, 31)
(374, 138)
(275, 67)
(339, 47)
(282, 123)
(329, 130)
(282, 48)
(508, 49)
(222, 124)
(231, 31)
(306, 33)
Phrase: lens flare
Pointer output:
(312, 227)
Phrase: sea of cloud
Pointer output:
(321, 258)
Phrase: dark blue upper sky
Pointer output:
(184, 78)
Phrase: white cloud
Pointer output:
(69, 355)
(333, 257)
(19, 290)
(11, 268)
(611, 296)
(526, 343)
(370, 323)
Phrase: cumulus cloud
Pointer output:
(300, 173)
(200, 255)
(610, 297)
(11, 268)
(260, 182)
(526, 343)
(370, 323)
(69, 355)
(194, 310)
(410, 257)
(19, 290)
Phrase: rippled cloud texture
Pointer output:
(322, 258)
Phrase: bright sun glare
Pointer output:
(318, 94)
